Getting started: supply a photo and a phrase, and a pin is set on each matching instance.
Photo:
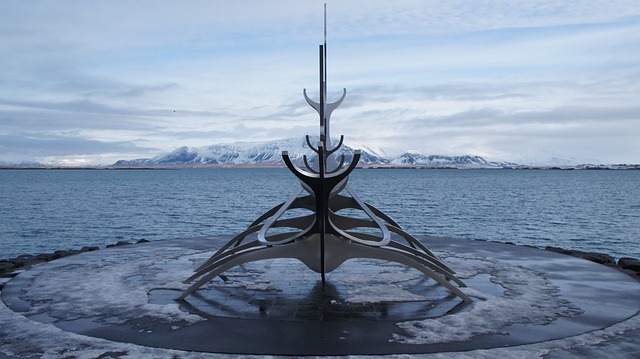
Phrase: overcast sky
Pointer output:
(94, 82)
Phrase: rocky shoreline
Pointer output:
(628, 265)
(11, 267)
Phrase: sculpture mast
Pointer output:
(325, 109)
(325, 136)
(323, 145)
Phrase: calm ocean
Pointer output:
(46, 210)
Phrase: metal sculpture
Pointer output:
(324, 238)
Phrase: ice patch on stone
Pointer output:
(113, 289)
(382, 293)
(528, 298)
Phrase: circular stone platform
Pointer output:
(123, 299)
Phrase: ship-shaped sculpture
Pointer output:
(325, 238)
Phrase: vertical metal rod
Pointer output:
(322, 99)
(321, 205)
(327, 135)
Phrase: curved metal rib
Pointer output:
(301, 174)
(338, 166)
(382, 215)
(212, 262)
(311, 103)
(334, 105)
(411, 261)
(345, 171)
(386, 236)
(266, 215)
(329, 106)
(306, 164)
(314, 149)
(253, 251)
(233, 261)
(330, 151)
(235, 242)
(271, 220)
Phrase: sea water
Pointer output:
(46, 210)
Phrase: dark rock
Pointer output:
(597, 257)
(633, 274)
(7, 266)
(22, 260)
(45, 257)
(60, 254)
(559, 250)
(591, 256)
(89, 249)
(120, 243)
(143, 241)
(499, 242)
(629, 264)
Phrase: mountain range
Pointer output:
(269, 154)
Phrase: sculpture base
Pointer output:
(523, 298)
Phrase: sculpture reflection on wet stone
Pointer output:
(324, 238)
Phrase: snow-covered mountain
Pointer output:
(413, 159)
(270, 154)
(551, 158)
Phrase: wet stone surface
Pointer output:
(285, 289)
(123, 297)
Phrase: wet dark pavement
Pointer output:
(522, 296)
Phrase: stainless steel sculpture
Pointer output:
(324, 238)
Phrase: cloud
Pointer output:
(37, 146)
(194, 74)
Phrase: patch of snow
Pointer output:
(382, 293)
(106, 290)
(534, 298)
(550, 158)
(528, 298)
(23, 338)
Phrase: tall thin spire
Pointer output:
(325, 47)
(325, 23)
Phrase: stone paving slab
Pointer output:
(120, 301)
